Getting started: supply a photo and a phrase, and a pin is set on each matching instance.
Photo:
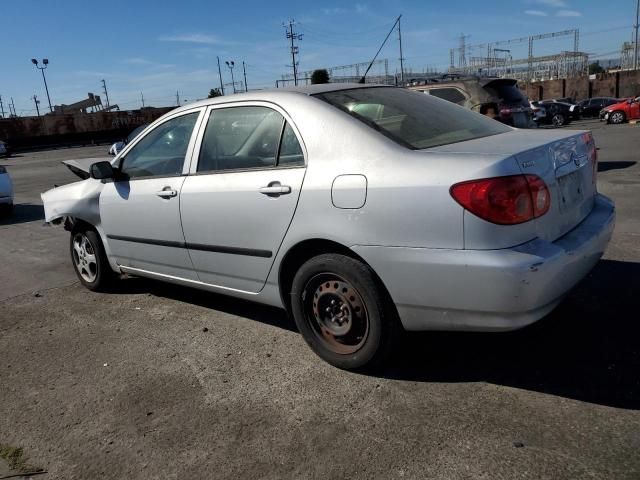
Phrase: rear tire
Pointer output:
(343, 312)
(558, 120)
(617, 118)
(90, 260)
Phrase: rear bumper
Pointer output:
(490, 290)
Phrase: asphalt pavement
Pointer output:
(157, 381)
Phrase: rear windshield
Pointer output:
(505, 91)
(413, 119)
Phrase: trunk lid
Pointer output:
(565, 160)
(568, 166)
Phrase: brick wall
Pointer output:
(619, 84)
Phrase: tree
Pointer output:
(595, 68)
(214, 92)
(320, 76)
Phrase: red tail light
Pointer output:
(504, 200)
(592, 153)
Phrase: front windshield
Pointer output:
(413, 119)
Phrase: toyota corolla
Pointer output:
(360, 210)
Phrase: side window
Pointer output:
(239, 138)
(161, 152)
(290, 150)
(451, 94)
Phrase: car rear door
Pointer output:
(140, 210)
(242, 193)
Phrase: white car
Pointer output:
(359, 209)
(117, 147)
(6, 192)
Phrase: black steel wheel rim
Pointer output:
(336, 313)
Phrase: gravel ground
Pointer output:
(158, 381)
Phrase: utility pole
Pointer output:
(177, 98)
(36, 101)
(1, 107)
(291, 35)
(635, 46)
(244, 70)
(104, 88)
(13, 106)
(220, 75)
(142, 98)
(401, 58)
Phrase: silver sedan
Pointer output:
(360, 210)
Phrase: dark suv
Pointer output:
(591, 106)
(479, 93)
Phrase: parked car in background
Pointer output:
(622, 111)
(539, 112)
(118, 146)
(478, 93)
(6, 192)
(353, 207)
(4, 149)
(574, 112)
(555, 113)
(591, 107)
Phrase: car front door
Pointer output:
(241, 196)
(634, 109)
(140, 210)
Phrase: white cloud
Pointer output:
(361, 8)
(552, 3)
(193, 38)
(536, 13)
(568, 13)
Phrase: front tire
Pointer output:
(90, 260)
(617, 117)
(342, 311)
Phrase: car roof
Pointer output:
(274, 93)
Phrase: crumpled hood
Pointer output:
(79, 199)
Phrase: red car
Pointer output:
(623, 111)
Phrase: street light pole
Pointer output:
(232, 64)
(45, 62)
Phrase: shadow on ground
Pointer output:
(23, 213)
(605, 166)
(588, 349)
(242, 308)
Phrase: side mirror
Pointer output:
(102, 170)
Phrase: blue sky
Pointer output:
(159, 46)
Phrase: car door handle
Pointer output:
(275, 189)
(167, 192)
